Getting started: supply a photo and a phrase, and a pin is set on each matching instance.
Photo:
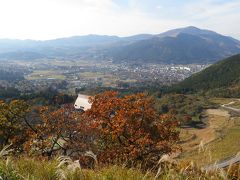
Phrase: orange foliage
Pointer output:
(131, 129)
(116, 129)
(63, 130)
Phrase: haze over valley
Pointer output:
(112, 62)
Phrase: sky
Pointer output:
(50, 19)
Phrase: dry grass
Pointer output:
(221, 101)
(225, 146)
(66, 169)
(236, 105)
(217, 121)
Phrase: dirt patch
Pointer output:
(218, 112)
(225, 146)
(218, 119)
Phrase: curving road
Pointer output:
(226, 106)
(224, 163)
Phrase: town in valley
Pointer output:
(68, 76)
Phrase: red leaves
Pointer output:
(58, 130)
(115, 128)
(131, 127)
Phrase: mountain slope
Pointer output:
(179, 46)
(82, 41)
(187, 30)
(223, 75)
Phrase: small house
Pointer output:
(82, 103)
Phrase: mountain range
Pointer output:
(179, 46)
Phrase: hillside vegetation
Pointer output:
(188, 109)
(222, 78)
(63, 168)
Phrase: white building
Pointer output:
(82, 103)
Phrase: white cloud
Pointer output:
(47, 19)
(221, 17)
(51, 19)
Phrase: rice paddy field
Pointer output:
(48, 74)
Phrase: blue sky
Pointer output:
(48, 19)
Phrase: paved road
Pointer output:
(226, 106)
(232, 160)
(224, 163)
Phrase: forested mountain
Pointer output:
(222, 77)
(178, 46)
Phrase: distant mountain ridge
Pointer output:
(179, 46)
(187, 30)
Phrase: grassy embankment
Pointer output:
(220, 141)
(66, 169)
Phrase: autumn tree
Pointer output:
(12, 123)
(63, 131)
(131, 129)
(115, 129)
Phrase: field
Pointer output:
(107, 79)
(217, 121)
(224, 146)
(45, 75)
(218, 141)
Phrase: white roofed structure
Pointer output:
(82, 103)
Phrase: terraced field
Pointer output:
(219, 140)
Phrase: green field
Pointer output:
(45, 75)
